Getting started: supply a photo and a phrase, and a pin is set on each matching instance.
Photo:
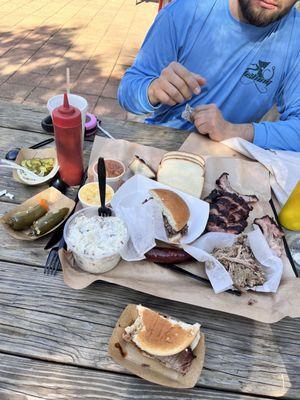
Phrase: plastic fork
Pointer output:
(53, 262)
(103, 211)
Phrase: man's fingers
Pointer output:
(200, 79)
(200, 113)
(172, 92)
(164, 98)
(191, 79)
(205, 107)
(202, 126)
(181, 85)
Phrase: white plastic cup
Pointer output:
(75, 100)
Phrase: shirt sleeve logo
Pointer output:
(260, 74)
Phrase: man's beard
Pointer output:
(260, 17)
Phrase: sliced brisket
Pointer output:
(272, 233)
(180, 362)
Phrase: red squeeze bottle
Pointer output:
(68, 139)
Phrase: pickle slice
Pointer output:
(40, 166)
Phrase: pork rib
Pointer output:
(229, 210)
(272, 233)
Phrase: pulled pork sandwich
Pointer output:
(175, 213)
(157, 347)
(163, 339)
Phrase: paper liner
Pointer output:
(203, 146)
(55, 199)
(147, 277)
(131, 358)
(25, 153)
(124, 151)
(136, 190)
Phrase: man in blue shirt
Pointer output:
(231, 60)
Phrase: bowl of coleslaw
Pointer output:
(96, 242)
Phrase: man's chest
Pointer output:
(229, 60)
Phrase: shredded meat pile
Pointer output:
(239, 261)
(229, 210)
(272, 233)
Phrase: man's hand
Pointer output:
(175, 85)
(209, 120)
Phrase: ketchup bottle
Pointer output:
(68, 139)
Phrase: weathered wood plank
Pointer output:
(42, 318)
(24, 379)
(21, 116)
(29, 119)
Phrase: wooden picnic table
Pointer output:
(53, 340)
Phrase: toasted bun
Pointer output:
(139, 166)
(162, 336)
(173, 207)
(183, 174)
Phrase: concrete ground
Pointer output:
(96, 39)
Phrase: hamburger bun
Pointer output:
(162, 336)
(173, 207)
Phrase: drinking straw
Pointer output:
(68, 80)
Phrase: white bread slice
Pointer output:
(184, 155)
(182, 174)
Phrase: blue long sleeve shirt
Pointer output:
(248, 69)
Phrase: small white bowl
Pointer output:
(113, 182)
(32, 182)
(25, 153)
(94, 186)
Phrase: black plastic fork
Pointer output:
(103, 211)
(53, 262)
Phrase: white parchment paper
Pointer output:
(218, 275)
(144, 219)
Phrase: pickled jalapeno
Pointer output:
(49, 221)
(24, 219)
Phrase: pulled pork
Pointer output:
(240, 262)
